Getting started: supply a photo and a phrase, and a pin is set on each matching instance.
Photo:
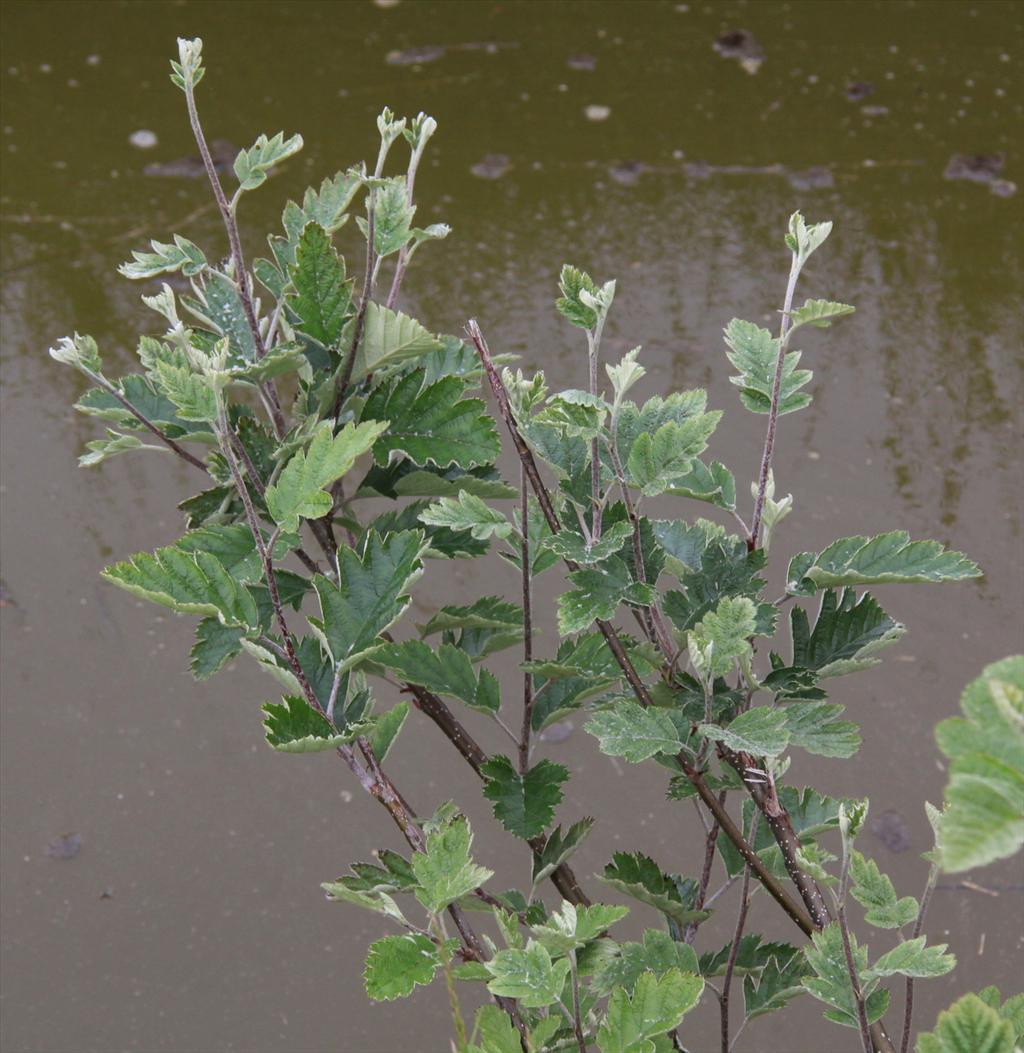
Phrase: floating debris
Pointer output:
(981, 168)
(741, 45)
(818, 177)
(859, 89)
(143, 139)
(596, 112)
(222, 152)
(582, 62)
(627, 172)
(491, 166)
(891, 829)
(874, 110)
(416, 56)
(67, 846)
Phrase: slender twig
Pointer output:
(908, 1011)
(730, 965)
(458, 1023)
(404, 253)
(526, 575)
(851, 965)
(147, 423)
(577, 1020)
(705, 874)
(345, 376)
(773, 412)
(241, 275)
(593, 348)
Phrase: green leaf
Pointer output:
(657, 1005)
(761, 730)
(848, 633)
(802, 240)
(719, 640)
(819, 313)
(831, 982)
(658, 460)
(300, 489)
(467, 513)
(524, 805)
(190, 582)
(527, 975)
(78, 351)
(215, 644)
(713, 483)
(598, 594)
(166, 258)
(193, 395)
(573, 927)
(389, 339)
(435, 425)
(445, 871)
(327, 205)
(102, 449)
(392, 216)
(386, 729)
(658, 953)
(913, 958)
(558, 848)
(396, 964)
(252, 165)
(295, 727)
(370, 595)
(446, 670)
(683, 408)
(776, 986)
(754, 954)
(488, 612)
(574, 413)
(968, 1026)
(323, 296)
(627, 729)
(637, 875)
(754, 352)
(891, 557)
(813, 727)
(572, 282)
(875, 891)
(984, 815)
(219, 307)
(685, 543)
(582, 668)
(494, 1032)
(567, 544)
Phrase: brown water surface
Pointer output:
(187, 918)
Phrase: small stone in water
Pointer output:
(596, 112)
(817, 177)
(491, 166)
(143, 139)
(627, 172)
(858, 90)
(581, 62)
(415, 56)
(975, 168)
(740, 44)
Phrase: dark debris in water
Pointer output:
(818, 177)
(222, 152)
(582, 62)
(981, 168)
(741, 45)
(424, 53)
(67, 846)
(491, 166)
(627, 172)
(891, 829)
(858, 90)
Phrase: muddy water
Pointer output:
(184, 915)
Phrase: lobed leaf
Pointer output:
(524, 804)
(754, 352)
(253, 164)
(445, 871)
(396, 964)
(627, 729)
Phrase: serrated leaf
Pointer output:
(300, 488)
(776, 985)
(102, 449)
(574, 926)
(754, 352)
(657, 1006)
(166, 258)
(253, 164)
(445, 871)
(488, 612)
(657, 460)
(219, 307)
(761, 730)
(819, 313)
(984, 815)
(658, 953)
(813, 726)
(215, 645)
(389, 338)
(712, 483)
(719, 640)
(467, 513)
(392, 216)
(891, 557)
(396, 964)
(433, 424)
(370, 594)
(193, 583)
(913, 958)
(727, 570)
(524, 805)
(295, 727)
(637, 875)
(627, 729)
(574, 413)
(571, 283)
(567, 544)
(873, 889)
(446, 670)
(968, 1026)
(598, 593)
(558, 848)
(386, 729)
(831, 983)
(847, 634)
(528, 975)
(323, 296)
(494, 1031)
(326, 205)
(192, 395)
